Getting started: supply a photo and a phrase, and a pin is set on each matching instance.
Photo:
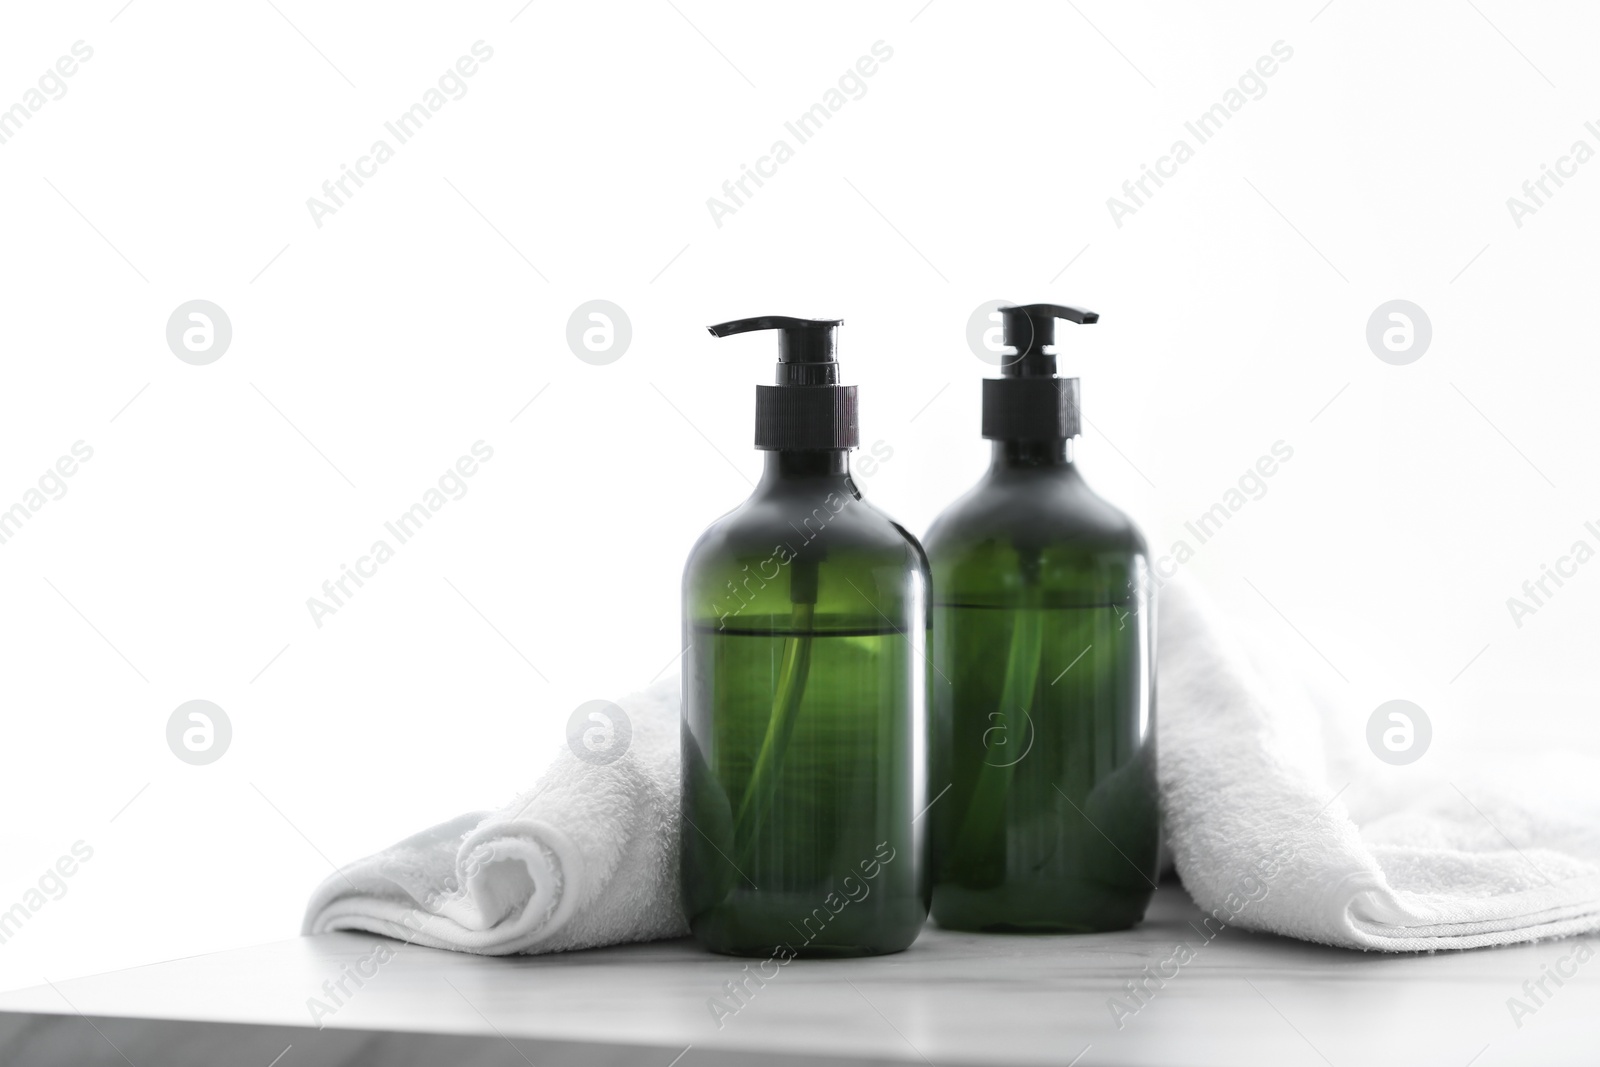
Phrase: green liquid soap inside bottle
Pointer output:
(1043, 673)
(806, 619)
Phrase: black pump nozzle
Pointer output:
(1030, 328)
(1030, 403)
(808, 349)
(808, 409)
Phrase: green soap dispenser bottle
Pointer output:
(1044, 672)
(806, 620)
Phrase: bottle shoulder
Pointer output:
(1040, 509)
(847, 520)
(826, 527)
(1041, 537)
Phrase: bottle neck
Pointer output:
(821, 465)
(1029, 455)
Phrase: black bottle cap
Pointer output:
(1030, 403)
(808, 410)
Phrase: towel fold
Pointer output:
(1410, 858)
(588, 857)
(1398, 858)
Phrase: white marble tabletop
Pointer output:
(1238, 998)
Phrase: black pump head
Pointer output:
(808, 409)
(808, 349)
(1030, 329)
(1030, 403)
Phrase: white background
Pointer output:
(369, 353)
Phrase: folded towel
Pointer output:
(1398, 858)
(589, 857)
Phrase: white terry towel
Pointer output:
(588, 857)
(1397, 858)
(1371, 856)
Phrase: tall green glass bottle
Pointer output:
(804, 691)
(1043, 684)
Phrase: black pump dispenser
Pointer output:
(1030, 403)
(808, 410)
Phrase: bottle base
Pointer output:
(977, 926)
(770, 931)
(1054, 909)
(810, 952)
